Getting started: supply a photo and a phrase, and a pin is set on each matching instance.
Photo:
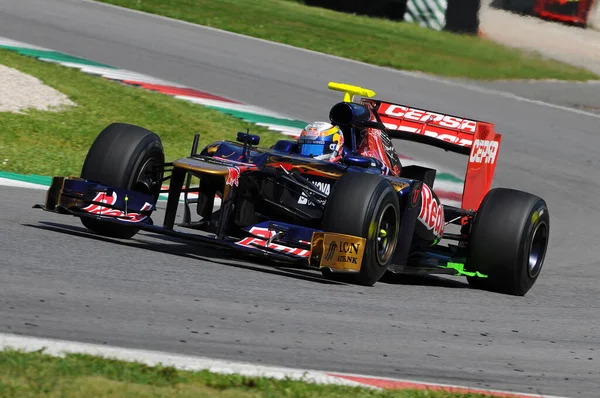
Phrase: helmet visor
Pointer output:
(312, 149)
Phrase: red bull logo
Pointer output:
(432, 212)
(102, 197)
(110, 200)
(252, 242)
(310, 131)
(233, 176)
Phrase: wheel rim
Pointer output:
(537, 249)
(387, 232)
(145, 178)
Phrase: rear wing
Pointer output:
(473, 138)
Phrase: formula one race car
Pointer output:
(363, 215)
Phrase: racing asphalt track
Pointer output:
(155, 293)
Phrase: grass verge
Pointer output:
(34, 374)
(56, 143)
(373, 40)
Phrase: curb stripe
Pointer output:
(109, 72)
(230, 106)
(449, 177)
(401, 384)
(297, 124)
(175, 91)
(17, 45)
(31, 178)
(21, 184)
(53, 56)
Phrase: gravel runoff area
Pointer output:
(570, 44)
(20, 91)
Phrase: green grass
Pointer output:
(35, 374)
(56, 143)
(377, 41)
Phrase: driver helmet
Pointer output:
(321, 140)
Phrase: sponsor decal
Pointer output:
(267, 234)
(348, 252)
(484, 151)
(233, 176)
(107, 211)
(311, 131)
(324, 187)
(103, 198)
(376, 144)
(432, 212)
(399, 185)
(462, 141)
(316, 129)
(330, 251)
(536, 216)
(416, 194)
(423, 116)
(221, 161)
(337, 251)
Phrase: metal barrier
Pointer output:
(391, 9)
(453, 15)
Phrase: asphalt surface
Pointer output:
(60, 281)
(578, 95)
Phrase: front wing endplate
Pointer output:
(337, 252)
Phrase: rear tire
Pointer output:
(122, 156)
(508, 241)
(361, 205)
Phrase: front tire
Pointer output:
(508, 241)
(123, 156)
(365, 205)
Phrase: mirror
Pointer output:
(251, 138)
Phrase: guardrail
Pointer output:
(462, 16)
(453, 15)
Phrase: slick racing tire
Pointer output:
(123, 156)
(367, 206)
(508, 241)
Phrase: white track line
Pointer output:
(195, 363)
(184, 362)
(232, 106)
(13, 43)
(21, 184)
(113, 74)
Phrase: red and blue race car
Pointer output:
(362, 216)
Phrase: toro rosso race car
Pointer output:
(363, 215)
